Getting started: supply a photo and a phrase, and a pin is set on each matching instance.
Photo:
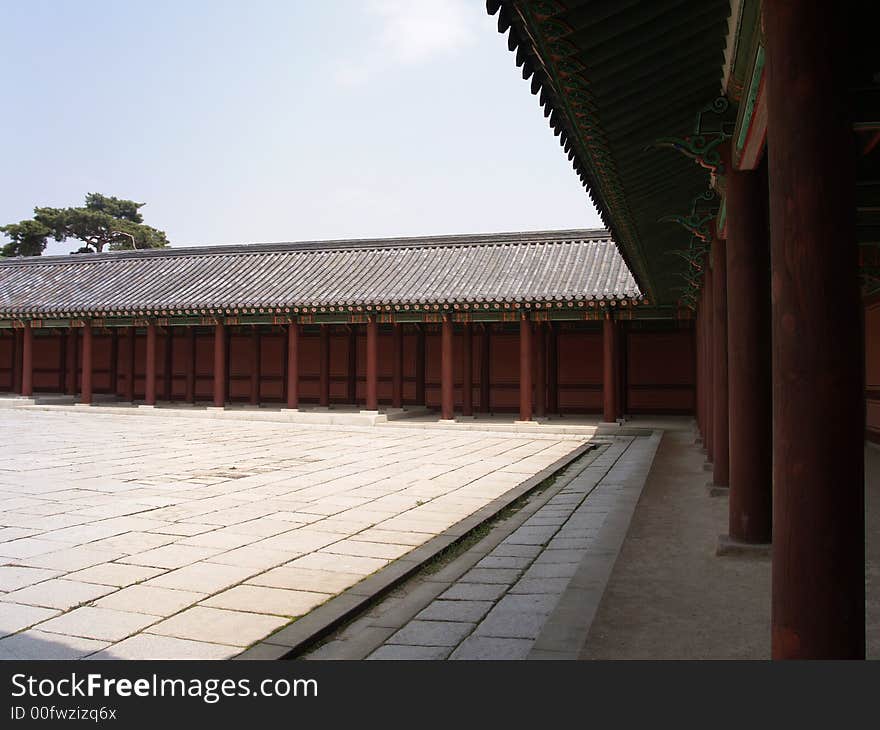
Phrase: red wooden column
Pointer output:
(190, 387)
(420, 365)
(168, 369)
(818, 583)
(351, 396)
(467, 370)
(324, 365)
(748, 356)
(150, 366)
(720, 427)
(130, 336)
(27, 360)
(293, 365)
(114, 361)
(698, 369)
(619, 375)
(540, 370)
(219, 365)
(552, 369)
(708, 391)
(397, 366)
(486, 369)
(256, 365)
(86, 385)
(16, 360)
(62, 360)
(525, 368)
(72, 360)
(609, 380)
(372, 363)
(227, 349)
(447, 386)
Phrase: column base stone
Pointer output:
(717, 490)
(730, 546)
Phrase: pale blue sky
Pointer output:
(278, 120)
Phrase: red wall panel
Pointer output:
(47, 362)
(580, 370)
(660, 371)
(7, 353)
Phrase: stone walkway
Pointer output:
(671, 597)
(502, 596)
(166, 537)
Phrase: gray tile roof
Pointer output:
(511, 267)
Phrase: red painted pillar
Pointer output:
(609, 384)
(219, 365)
(372, 363)
(62, 361)
(709, 391)
(114, 361)
(818, 583)
(486, 370)
(467, 370)
(130, 337)
(447, 386)
(748, 356)
(324, 372)
(720, 428)
(293, 365)
(698, 369)
(256, 366)
(420, 365)
(16, 360)
(552, 369)
(618, 369)
(525, 368)
(397, 366)
(352, 364)
(72, 360)
(150, 367)
(168, 366)
(86, 386)
(27, 361)
(227, 369)
(190, 388)
(540, 370)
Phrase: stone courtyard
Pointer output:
(167, 537)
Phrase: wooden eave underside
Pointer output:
(614, 77)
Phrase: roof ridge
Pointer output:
(357, 244)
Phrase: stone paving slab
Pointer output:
(148, 529)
